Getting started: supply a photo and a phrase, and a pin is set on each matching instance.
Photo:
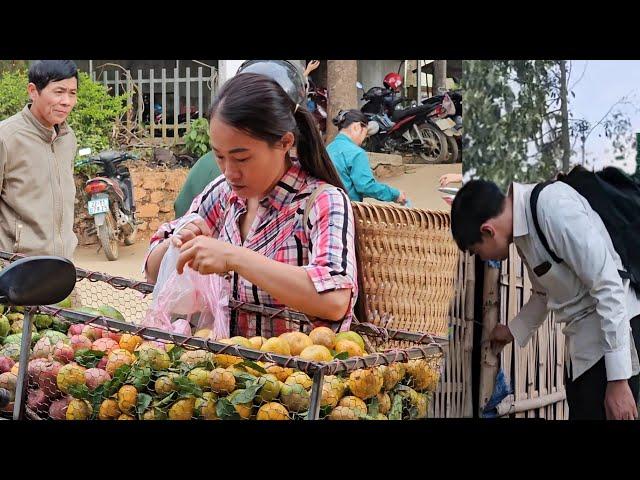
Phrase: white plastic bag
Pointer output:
(188, 294)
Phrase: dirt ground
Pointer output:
(419, 183)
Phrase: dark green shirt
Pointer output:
(203, 172)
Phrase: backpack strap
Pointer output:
(534, 214)
(310, 201)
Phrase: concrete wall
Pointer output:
(372, 72)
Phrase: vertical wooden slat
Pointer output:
(129, 100)
(520, 354)
(469, 326)
(459, 308)
(553, 381)
(164, 104)
(152, 120)
(449, 381)
(561, 369)
(488, 361)
(530, 359)
(140, 100)
(176, 103)
(452, 398)
(188, 94)
(200, 80)
(116, 89)
(537, 368)
(544, 363)
(450, 366)
(460, 340)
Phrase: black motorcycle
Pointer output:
(452, 127)
(111, 201)
(405, 130)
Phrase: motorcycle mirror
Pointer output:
(39, 280)
(359, 86)
(84, 151)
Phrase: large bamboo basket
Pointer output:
(409, 266)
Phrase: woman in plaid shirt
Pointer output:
(251, 225)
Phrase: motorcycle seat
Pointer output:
(420, 109)
(110, 155)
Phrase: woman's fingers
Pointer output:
(187, 255)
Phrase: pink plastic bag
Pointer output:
(188, 294)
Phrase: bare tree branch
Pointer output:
(581, 76)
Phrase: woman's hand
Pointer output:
(190, 231)
(205, 255)
(448, 178)
(313, 64)
(448, 199)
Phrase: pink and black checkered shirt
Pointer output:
(325, 249)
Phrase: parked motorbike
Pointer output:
(406, 130)
(111, 201)
(451, 125)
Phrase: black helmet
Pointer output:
(284, 72)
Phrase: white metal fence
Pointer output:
(178, 99)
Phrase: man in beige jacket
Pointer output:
(37, 152)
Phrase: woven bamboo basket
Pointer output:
(409, 266)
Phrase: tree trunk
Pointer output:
(342, 76)
(636, 174)
(564, 135)
(439, 76)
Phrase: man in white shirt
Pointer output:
(600, 310)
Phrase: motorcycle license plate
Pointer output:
(100, 205)
(445, 123)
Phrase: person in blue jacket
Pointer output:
(352, 161)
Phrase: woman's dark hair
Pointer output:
(347, 117)
(43, 72)
(257, 105)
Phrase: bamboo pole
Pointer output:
(510, 406)
(470, 272)
(488, 360)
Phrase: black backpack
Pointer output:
(614, 196)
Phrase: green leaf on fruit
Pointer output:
(175, 353)
(80, 392)
(396, 408)
(374, 407)
(186, 387)
(168, 400)
(225, 410)
(88, 358)
(246, 395)
(144, 400)
(253, 366)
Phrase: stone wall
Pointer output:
(154, 191)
